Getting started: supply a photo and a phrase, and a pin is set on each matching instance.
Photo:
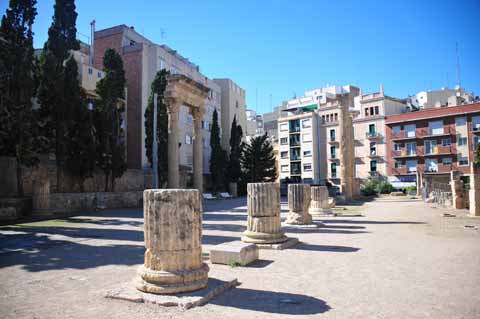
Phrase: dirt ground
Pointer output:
(401, 259)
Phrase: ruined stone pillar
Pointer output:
(456, 184)
(173, 152)
(41, 195)
(319, 200)
(298, 204)
(474, 190)
(173, 239)
(197, 149)
(263, 223)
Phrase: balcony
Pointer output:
(372, 135)
(425, 132)
(440, 150)
(404, 154)
(402, 135)
(331, 142)
(403, 171)
(476, 129)
(295, 140)
(373, 154)
(295, 129)
(295, 172)
(374, 174)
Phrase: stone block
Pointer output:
(289, 243)
(234, 252)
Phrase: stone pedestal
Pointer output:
(474, 190)
(319, 200)
(298, 204)
(41, 196)
(173, 239)
(263, 223)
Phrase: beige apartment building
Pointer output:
(369, 132)
(232, 105)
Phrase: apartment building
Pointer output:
(316, 138)
(369, 132)
(440, 98)
(254, 124)
(233, 106)
(142, 59)
(433, 141)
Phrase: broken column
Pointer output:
(474, 194)
(298, 204)
(263, 222)
(319, 200)
(173, 239)
(458, 201)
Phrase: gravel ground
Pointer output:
(401, 259)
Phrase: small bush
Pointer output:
(411, 189)
(384, 188)
(369, 188)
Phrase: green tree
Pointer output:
(218, 158)
(234, 168)
(17, 85)
(110, 134)
(258, 160)
(476, 160)
(80, 141)
(158, 87)
(52, 94)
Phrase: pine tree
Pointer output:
(236, 145)
(218, 158)
(80, 142)
(52, 93)
(110, 135)
(17, 86)
(158, 86)
(258, 160)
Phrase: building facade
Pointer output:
(142, 60)
(233, 106)
(433, 141)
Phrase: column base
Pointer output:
(263, 238)
(320, 211)
(298, 219)
(165, 282)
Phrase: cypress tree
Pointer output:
(258, 160)
(52, 93)
(109, 122)
(234, 167)
(158, 87)
(17, 86)
(218, 157)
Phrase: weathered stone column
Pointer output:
(474, 194)
(456, 184)
(298, 204)
(319, 200)
(41, 195)
(263, 223)
(173, 238)
(173, 172)
(197, 114)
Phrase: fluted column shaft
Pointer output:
(298, 204)
(173, 133)
(319, 200)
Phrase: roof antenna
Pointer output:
(459, 84)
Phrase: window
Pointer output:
(161, 64)
(323, 118)
(396, 129)
(411, 166)
(435, 128)
(446, 141)
(333, 152)
(463, 161)
(398, 164)
(284, 168)
(376, 110)
(307, 167)
(431, 165)
(373, 149)
(336, 117)
(99, 74)
(307, 123)
(410, 130)
(236, 104)
(373, 166)
(332, 135)
(188, 139)
(295, 154)
(447, 161)
(397, 146)
(307, 137)
(476, 142)
(460, 121)
(430, 147)
(283, 127)
(307, 153)
(366, 111)
(284, 154)
(372, 112)
(476, 123)
(462, 141)
(372, 130)
(284, 141)
(333, 170)
(411, 148)
(90, 71)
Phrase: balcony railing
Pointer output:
(440, 150)
(403, 171)
(422, 132)
(372, 135)
(295, 172)
(374, 174)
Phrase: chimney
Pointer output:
(381, 89)
(92, 42)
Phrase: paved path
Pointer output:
(401, 260)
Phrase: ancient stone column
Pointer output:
(474, 195)
(173, 239)
(263, 223)
(298, 204)
(319, 200)
(173, 152)
(457, 190)
(197, 148)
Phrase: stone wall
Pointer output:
(14, 208)
(8, 173)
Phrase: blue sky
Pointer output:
(279, 48)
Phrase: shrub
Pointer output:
(369, 188)
(384, 188)
(411, 189)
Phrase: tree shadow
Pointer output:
(271, 302)
(329, 248)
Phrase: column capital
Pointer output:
(197, 112)
(173, 105)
